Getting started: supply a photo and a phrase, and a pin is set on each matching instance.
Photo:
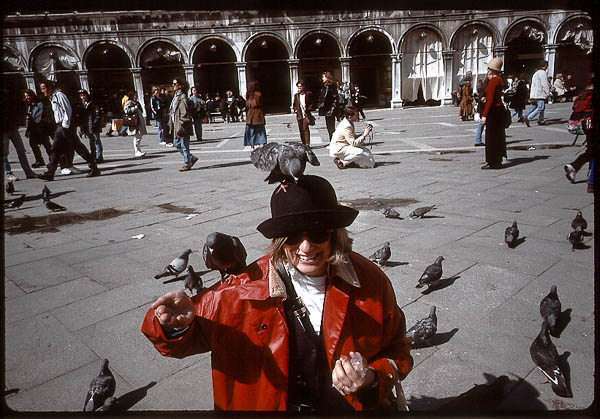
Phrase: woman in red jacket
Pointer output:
(493, 117)
(339, 346)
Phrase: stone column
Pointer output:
(139, 87)
(396, 101)
(30, 80)
(345, 63)
(83, 80)
(241, 70)
(550, 56)
(499, 52)
(293, 66)
(399, 102)
(189, 76)
(448, 56)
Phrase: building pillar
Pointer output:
(139, 87)
(550, 56)
(345, 63)
(83, 80)
(500, 52)
(241, 70)
(30, 80)
(189, 76)
(448, 56)
(293, 66)
(396, 101)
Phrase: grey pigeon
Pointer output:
(511, 234)
(17, 202)
(424, 330)
(224, 253)
(545, 356)
(10, 188)
(283, 162)
(45, 192)
(432, 273)
(579, 221)
(421, 211)
(382, 255)
(101, 388)
(53, 206)
(575, 237)
(193, 281)
(110, 405)
(550, 307)
(177, 265)
(482, 397)
(387, 211)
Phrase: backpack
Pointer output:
(581, 117)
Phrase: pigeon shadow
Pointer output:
(566, 370)
(231, 164)
(10, 391)
(393, 264)
(523, 160)
(130, 172)
(441, 338)
(128, 400)
(586, 233)
(581, 246)
(440, 284)
(564, 318)
(386, 163)
(428, 216)
(182, 277)
(518, 242)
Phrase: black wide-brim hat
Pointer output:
(310, 204)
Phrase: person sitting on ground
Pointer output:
(339, 346)
(346, 148)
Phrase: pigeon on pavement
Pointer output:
(45, 192)
(193, 281)
(382, 255)
(101, 388)
(110, 405)
(17, 202)
(579, 221)
(482, 397)
(511, 234)
(545, 356)
(432, 273)
(576, 237)
(387, 211)
(424, 330)
(285, 162)
(224, 253)
(53, 206)
(550, 307)
(177, 265)
(10, 187)
(421, 211)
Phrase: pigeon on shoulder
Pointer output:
(382, 255)
(432, 273)
(421, 211)
(224, 253)
(101, 388)
(177, 265)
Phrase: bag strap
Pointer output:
(295, 304)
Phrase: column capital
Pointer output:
(550, 47)
(82, 72)
(188, 67)
(449, 53)
(136, 70)
(500, 49)
(345, 60)
(240, 64)
(293, 61)
(28, 74)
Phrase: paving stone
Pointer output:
(40, 274)
(11, 290)
(38, 255)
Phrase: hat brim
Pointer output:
(288, 224)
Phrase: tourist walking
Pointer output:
(540, 92)
(329, 102)
(36, 128)
(180, 120)
(518, 101)
(198, 108)
(91, 123)
(493, 117)
(135, 109)
(159, 113)
(255, 134)
(481, 100)
(466, 102)
(303, 106)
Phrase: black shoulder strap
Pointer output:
(295, 304)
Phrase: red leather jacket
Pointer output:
(241, 321)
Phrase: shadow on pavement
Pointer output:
(231, 164)
(128, 172)
(564, 318)
(441, 338)
(440, 284)
(386, 163)
(128, 400)
(523, 160)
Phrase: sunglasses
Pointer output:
(318, 237)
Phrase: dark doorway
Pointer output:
(318, 53)
(161, 62)
(215, 69)
(15, 86)
(266, 61)
(371, 67)
(109, 72)
(524, 49)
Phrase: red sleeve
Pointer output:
(490, 91)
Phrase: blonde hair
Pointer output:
(341, 245)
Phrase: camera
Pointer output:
(370, 125)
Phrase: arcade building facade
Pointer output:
(397, 57)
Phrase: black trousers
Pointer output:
(588, 155)
(37, 138)
(304, 131)
(330, 123)
(65, 141)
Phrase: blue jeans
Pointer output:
(198, 128)
(160, 124)
(478, 133)
(14, 136)
(95, 144)
(518, 112)
(538, 107)
(183, 145)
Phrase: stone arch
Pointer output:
(222, 38)
(493, 30)
(142, 48)
(311, 32)
(518, 22)
(48, 44)
(125, 48)
(215, 70)
(567, 21)
(423, 25)
(252, 38)
(472, 50)
(360, 31)
(21, 60)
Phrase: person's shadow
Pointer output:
(522, 160)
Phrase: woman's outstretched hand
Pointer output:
(174, 309)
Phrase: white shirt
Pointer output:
(302, 98)
(61, 108)
(311, 290)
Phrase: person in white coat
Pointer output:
(133, 107)
(539, 92)
(346, 148)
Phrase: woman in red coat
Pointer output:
(339, 346)
(493, 117)
(255, 133)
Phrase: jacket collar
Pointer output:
(343, 270)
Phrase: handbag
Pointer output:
(507, 117)
(310, 119)
(130, 120)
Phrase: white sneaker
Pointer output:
(169, 144)
(162, 143)
(11, 178)
(140, 153)
(66, 171)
